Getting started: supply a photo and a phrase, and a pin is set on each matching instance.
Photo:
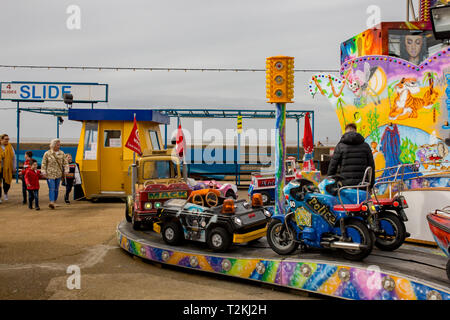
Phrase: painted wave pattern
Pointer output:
(339, 281)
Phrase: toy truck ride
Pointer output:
(264, 182)
(156, 178)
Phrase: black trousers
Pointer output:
(69, 185)
(33, 195)
(5, 185)
(24, 190)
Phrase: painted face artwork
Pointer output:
(413, 45)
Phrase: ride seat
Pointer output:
(383, 201)
(348, 207)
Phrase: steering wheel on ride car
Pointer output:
(212, 199)
(198, 200)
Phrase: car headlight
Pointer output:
(157, 205)
(238, 221)
(147, 205)
(267, 213)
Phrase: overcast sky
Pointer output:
(179, 33)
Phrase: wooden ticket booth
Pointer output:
(101, 155)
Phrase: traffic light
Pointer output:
(280, 79)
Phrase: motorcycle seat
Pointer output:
(383, 201)
(348, 207)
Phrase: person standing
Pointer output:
(26, 165)
(351, 157)
(54, 167)
(72, 177)
(8, 165)
(32, 183)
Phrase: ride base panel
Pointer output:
(411, 272)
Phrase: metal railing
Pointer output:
(398, 176)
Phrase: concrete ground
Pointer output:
(37, 247)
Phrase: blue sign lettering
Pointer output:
(24, 93)
(64, 90)
(33, 90)
(50, 95)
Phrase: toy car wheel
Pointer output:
(265, 197)
(358, 232)
(230, 194)
(393, 232)
(129, 208)
(219, 239)
(137, 225)
(279, 238)
(172, 233)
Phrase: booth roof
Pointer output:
(118, 115)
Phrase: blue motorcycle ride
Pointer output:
(387, 227)
(311, 220)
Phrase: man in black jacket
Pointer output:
(353, 156)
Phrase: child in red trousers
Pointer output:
(32, 181)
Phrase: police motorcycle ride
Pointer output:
(386, 224)
(311, 220)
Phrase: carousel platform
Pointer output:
(411, 272)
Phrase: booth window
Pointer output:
(162, 169)
(154, 139)
(90, 140)
(113, 138)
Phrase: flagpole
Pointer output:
(134, 153)
(280, 157)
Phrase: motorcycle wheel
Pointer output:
(280, 243)
(358, 232)
(394, 232)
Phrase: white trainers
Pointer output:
(5, 197)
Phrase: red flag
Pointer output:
(181, 144)
(308, 145)
(133, 141)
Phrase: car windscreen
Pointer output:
(159, 169)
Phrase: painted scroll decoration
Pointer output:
(400, 108)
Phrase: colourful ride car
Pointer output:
(219, 223)
(264, 182)
(156, 178)
(439, 223)
(227, 190)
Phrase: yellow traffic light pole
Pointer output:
(280, 90)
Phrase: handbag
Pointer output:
(63, 176)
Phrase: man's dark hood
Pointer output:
(352, 138)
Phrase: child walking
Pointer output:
(32, 181)
(70, 177)
(26, 165)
